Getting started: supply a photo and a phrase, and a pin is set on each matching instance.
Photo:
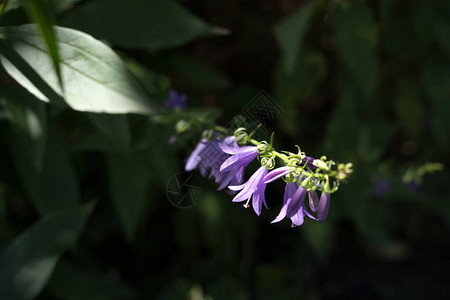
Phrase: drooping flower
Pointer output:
(176, 100)
(195, 158)
(324, 206)
(208, 156)
(275, 174)
(240, 156)
(253, 189)
(293, 205)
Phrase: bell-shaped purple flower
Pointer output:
(253, 189)
(208, 156)
(240, 156)
(293, 205)
(276, 174)
(324, 206)
(195, 158)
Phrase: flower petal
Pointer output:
(194, 159)
(324, 206)
(298, 218)
(313, 201)
(275, 174)
(297, 202)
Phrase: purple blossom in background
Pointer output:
(253, 188)
(176, 100)
(194, 159)
(381, 187)
(293, 205)
(412, 186)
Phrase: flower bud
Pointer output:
(241, 136)
(182, 126)
(268, 162)
(320, 164)
(208, 134)
(263, 147)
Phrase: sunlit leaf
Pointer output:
(28, 262)
(42, 15)
(140, 24)
(94, 77)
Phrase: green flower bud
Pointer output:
(208, 134)
(268, 162)
(182, 126)
(263, 147)
(241, 136)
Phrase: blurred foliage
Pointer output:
(88, 148)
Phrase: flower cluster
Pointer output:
(225, 160)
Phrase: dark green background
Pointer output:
(366, 82)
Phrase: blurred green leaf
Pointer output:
(156, 84)
(42, 15)
(290, 32)
(408, 106)
(55, 186)
(344, 127)
(356, 40)
(436, 82)
(114, 127)
(291, 91)
(29, 119)
(408, 29)
(95, 142)
(188, 72)
(28, 262)
(89, 285)
(139, 24)
(129, 183)
(442, 28)
(94, 77)
(3, 7)
(61, 5)
(319, 236)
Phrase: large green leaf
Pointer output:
(94, 77)
(290, 33)
(40, 13)
(356, 40)
(129, 182)
(54, 187)
(28, 262)
(29, 119)
(140, 24)
(89, 285)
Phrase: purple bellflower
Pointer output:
(293, 205)
(240, 156)
(208, 156)
(253, 189)
(176, 100)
